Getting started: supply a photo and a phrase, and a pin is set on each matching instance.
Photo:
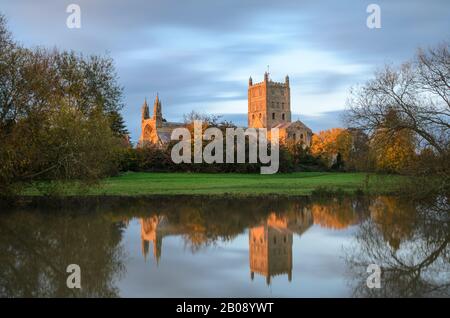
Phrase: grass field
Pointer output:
(301, 183)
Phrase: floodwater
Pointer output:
(198, 247)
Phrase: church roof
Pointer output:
(295, 123)
(164, 137)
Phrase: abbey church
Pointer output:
(155, 130)
(269, 106)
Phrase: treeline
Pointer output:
(152, 158)
(59, 115)
(156, 158)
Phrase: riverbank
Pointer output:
(234, 184)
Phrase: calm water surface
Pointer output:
(227, 248)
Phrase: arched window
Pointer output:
(282, 116)
(147, 132)
(273, 115)
(301, 136)
(293, 136)
(253, 116)
(260, 115)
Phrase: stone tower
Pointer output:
(269, 103)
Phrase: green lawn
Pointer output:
(301, 183)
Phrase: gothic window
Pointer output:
(301, 136)
(282, 116)
(147, 132)
(293, 136)
(273, 115)
(260, 115)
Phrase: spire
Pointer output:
(250, 81)
(157, 112)
(287, 79)
(144, 110)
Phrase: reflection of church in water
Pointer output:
(152, 230)
(270, 244)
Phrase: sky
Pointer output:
(199, 54)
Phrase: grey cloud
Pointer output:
(240, 33)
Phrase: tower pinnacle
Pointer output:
(157, 112)
(145, 110)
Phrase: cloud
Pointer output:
(199, 54)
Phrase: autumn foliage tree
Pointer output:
(329, 145)
(59, 115)
(393, 151)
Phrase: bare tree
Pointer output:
(417, 91)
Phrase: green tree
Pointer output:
(59, 115)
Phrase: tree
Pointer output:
(59, 115)
(326, 145)
(419, 93)
(117, 123)
(393, 151)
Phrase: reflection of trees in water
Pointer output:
(410, 241)
(207, 222)
(36, 248)
(339, 214)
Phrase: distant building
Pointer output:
(155, 130)
(269, 106)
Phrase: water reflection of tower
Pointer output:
(271, 249)
(271, 243)
(151, 231)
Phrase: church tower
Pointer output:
(269, 103)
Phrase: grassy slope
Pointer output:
(302, 183)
